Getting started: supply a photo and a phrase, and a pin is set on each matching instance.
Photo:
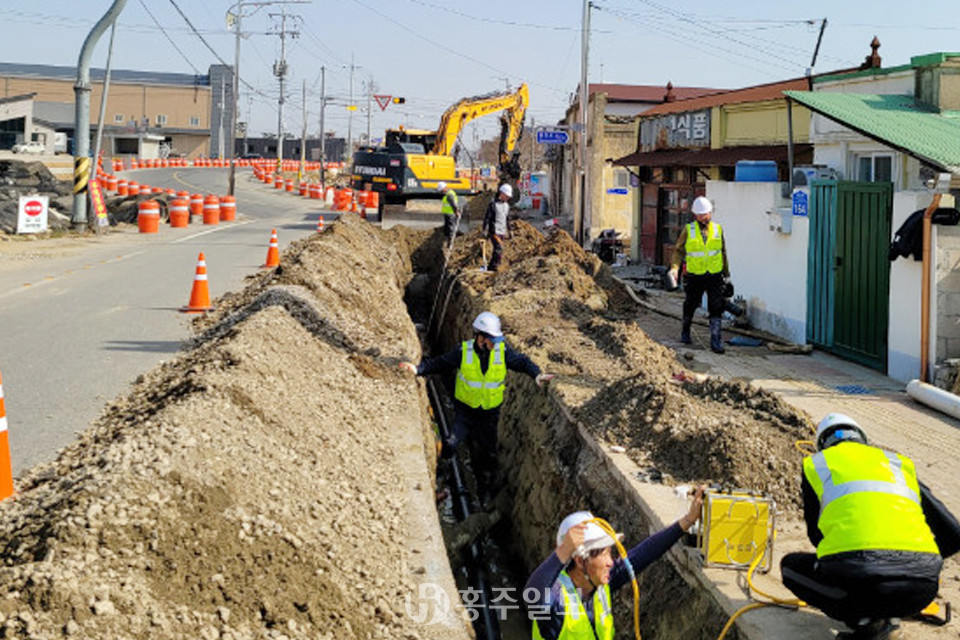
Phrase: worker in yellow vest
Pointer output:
(450, 208)
(702, 247)
(877, 557)
(481, 365)
(568, 595)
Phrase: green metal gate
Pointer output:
(848, 286)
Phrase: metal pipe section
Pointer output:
(81, 131)
(925, 289)
(461, 508)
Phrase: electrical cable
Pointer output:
(207, 45)
(167, 36)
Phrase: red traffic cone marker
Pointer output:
(273, 252)
(200, 295)
(320, 224)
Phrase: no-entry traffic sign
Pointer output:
(32, 217)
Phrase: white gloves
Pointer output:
(543, 378)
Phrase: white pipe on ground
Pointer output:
(941, 400)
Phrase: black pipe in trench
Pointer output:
(476, 568)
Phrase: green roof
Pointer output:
(897, 121)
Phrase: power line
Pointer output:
(167, 36)
(207, 44)
(510, 23)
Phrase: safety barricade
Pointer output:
(148, 216)
(228, 209)
(211, 210)
(179, 212)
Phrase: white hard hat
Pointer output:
(489, 324)
(506, 190)
(837, 427)
(701, 206)
(593, 537)
(441, 186)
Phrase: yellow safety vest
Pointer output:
(869, 499)
(449, 206)
(704, 258)
(576, 624)
(475, 389)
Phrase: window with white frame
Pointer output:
(194, 121)
(875, 167)
(118, 117)
(161, 120)
(621, 179)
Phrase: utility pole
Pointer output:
(816, 49)
(351, 108)
(81, 162)
(235, 17)
(103, 104)
(584, 96)
(222, 107)
(323, 134)
(370, 90)
(280, 70)
(533, 143)
(303, 133)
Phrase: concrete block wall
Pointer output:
(947, 283)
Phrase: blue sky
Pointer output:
(434, 52)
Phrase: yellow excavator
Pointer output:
(411, 162)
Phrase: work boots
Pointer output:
(716, 342)
(685, 331)
(871, 630)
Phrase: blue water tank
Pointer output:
(755, 171)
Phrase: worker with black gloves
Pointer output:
(880, 535)
(481, 366)
(570, 591)
(702, 246)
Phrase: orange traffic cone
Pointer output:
(6, 470)
(320, 225)
(200, 295)
(273, 253)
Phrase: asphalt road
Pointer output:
(76, 329)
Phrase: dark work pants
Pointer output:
(479, 430)
(497, 252)
(696, 286)
(846, 593)
(449, 228)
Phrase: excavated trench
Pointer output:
(277, 479)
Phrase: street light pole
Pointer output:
(231, 183)
(81, 131)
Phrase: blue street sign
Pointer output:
(800, 202)
(552, 136)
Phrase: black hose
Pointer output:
(476, 569)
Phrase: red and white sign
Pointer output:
(382, 101)
(32, 217)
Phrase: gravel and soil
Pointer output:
(249, 488)
(561, 306)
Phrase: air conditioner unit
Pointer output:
(805, 175)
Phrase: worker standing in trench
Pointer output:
(702, 246)
(481, 365)
(450, 208)
(880, 535)
(495, 223)
(569, 594)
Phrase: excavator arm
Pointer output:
(467, 109)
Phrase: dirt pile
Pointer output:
(19, 178)
(251, 488)
(561, 306)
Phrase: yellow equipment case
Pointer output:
(735, 526)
